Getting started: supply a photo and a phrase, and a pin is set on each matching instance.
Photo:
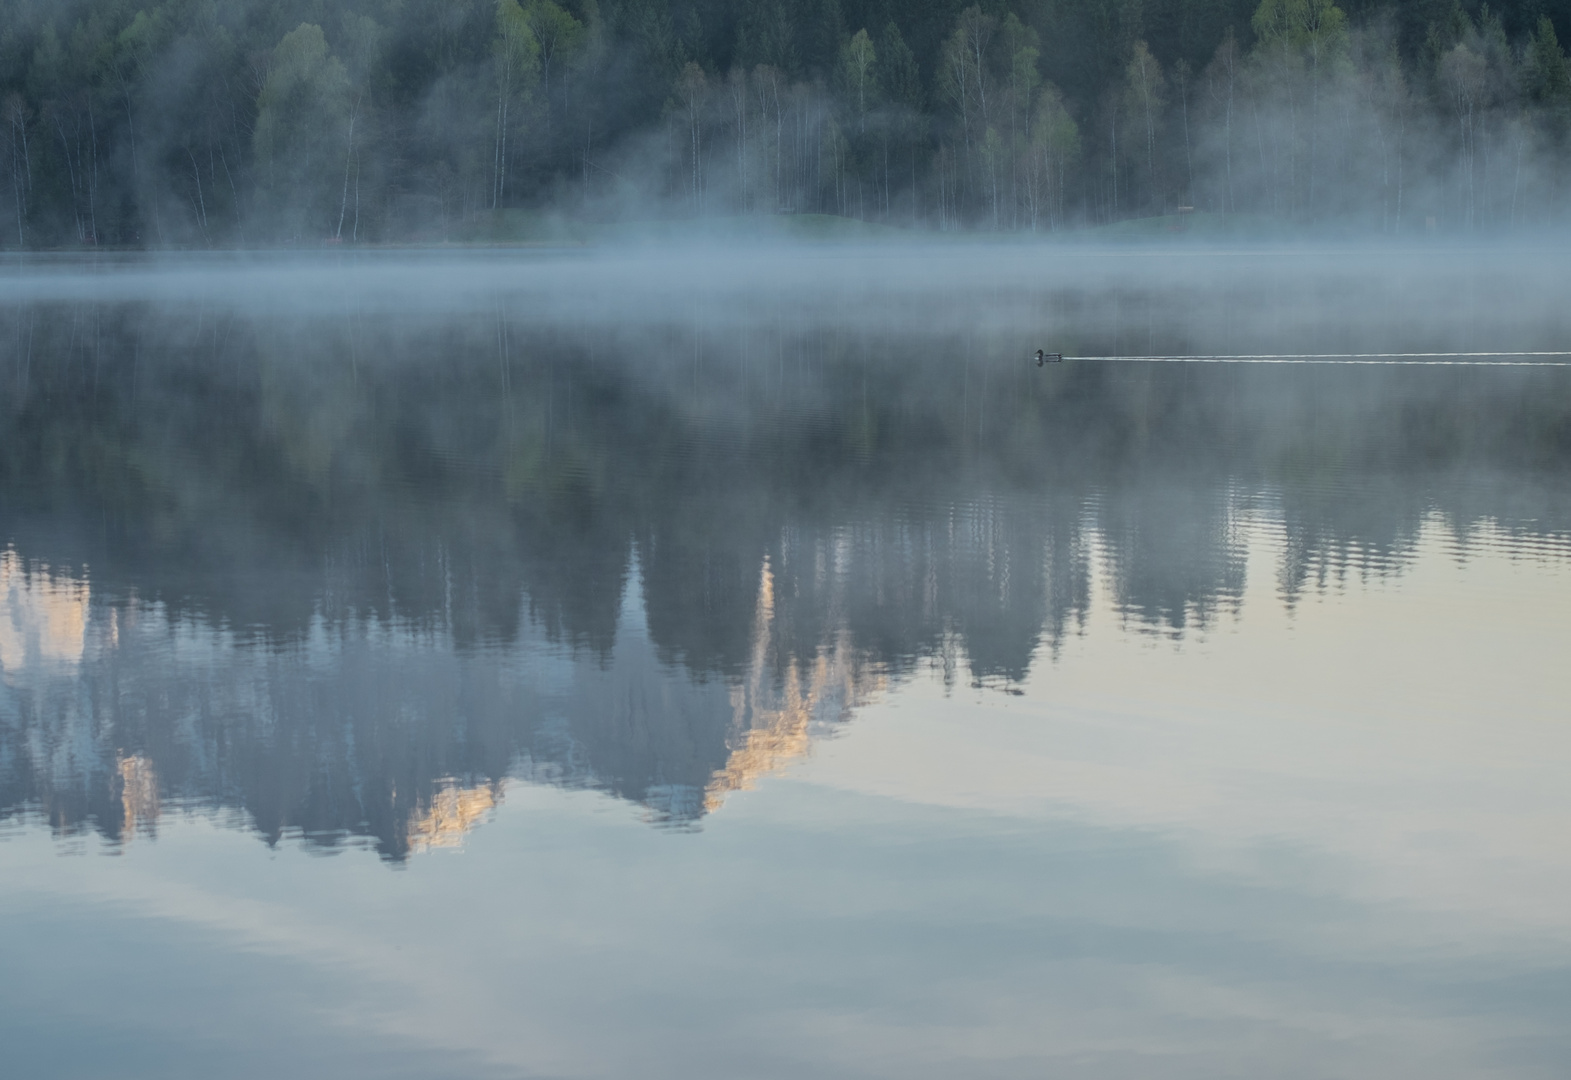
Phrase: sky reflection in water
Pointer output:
(724, 691)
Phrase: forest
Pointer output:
(235, 123)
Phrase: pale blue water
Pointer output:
(758, 667)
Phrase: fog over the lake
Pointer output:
(720, 657)
(1350, 297)
(794, 474)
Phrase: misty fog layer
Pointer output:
(341, 546)
(236, 123)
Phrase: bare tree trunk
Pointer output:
(1401, 130)
(696, 131)
(1113, 140)
(589, 142)
(1260, 142)
(1314, 122)
(1516, 182)
(201, 200)
(136, 165)
(1060, 190)
(70, 169)
(27, 160)
(1465, 121)
(16, 197)
(1232, 79)
(349, 157)
(739, 102)
(92, 186)
(233, 191)
(19, 174)
(499, 163)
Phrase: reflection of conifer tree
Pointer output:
(1177, 557)
(372, 558)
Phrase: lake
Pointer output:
(700, 663)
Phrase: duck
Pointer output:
(1048, 358)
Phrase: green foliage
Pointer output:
(188, 122)
(1315, 29)
(898, 78)
(301, 132)
(516, 47)
(765, 36)
(1547, 74)
(1055, 132)
(858, 74)
(557, 33)
(1022, 53)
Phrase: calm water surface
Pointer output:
(755, 666)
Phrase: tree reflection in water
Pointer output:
(341, 578)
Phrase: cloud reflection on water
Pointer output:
(346, 571)
(1112, 715)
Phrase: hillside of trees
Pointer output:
(198, 123)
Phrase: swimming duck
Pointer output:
(1048, 358)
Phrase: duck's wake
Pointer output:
(1457, 359)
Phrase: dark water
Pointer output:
(757, 666)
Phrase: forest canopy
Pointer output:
(198, 123)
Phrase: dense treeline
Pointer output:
(221, 122)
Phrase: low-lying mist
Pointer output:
(1082, 300)
(385, 524)
(210, 403)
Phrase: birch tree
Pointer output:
(1055, 146)
(559, 38)
(692, 94)
(739, 101)
(1144, 99)
(516, 57)
(1020, 47)
(1462, 72)
(963, 77)
(1222, 83)
(768, 88)
(302, 113)
(857, 61)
